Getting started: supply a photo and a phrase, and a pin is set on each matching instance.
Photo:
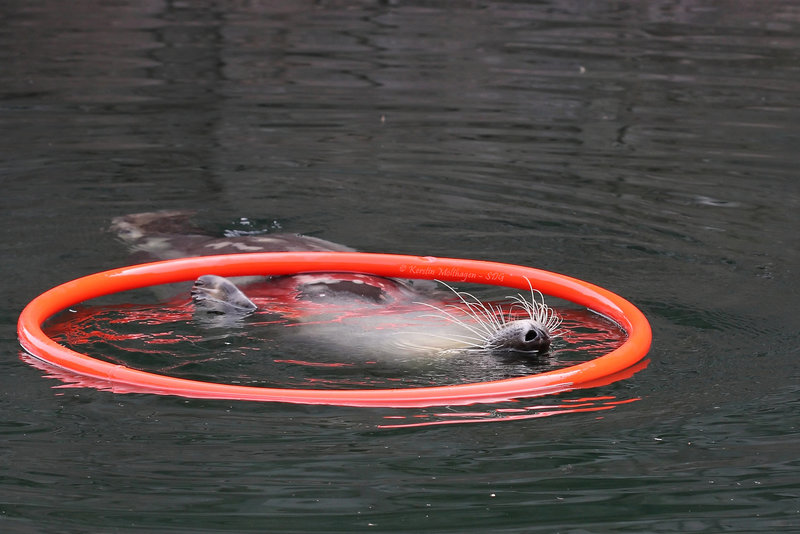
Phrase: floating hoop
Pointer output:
(122, 378)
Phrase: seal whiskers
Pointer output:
(493, 327)
(538, 312)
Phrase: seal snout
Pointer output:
(522, 335)
(536, 338)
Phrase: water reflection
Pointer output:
(556, 406)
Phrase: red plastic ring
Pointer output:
(586, 374)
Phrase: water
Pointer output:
(647, 147)
(339, 344)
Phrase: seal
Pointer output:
(527, 325)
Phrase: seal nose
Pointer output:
(536, 339)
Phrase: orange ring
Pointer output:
(38, 344)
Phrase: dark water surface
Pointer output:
(649, 147)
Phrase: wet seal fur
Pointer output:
(170, 235)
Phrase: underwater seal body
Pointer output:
(167, 235)
(171, 234)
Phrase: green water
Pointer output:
(650, 148)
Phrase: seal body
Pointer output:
(372, 302)
(166, 235)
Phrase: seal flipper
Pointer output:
(215, 294)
